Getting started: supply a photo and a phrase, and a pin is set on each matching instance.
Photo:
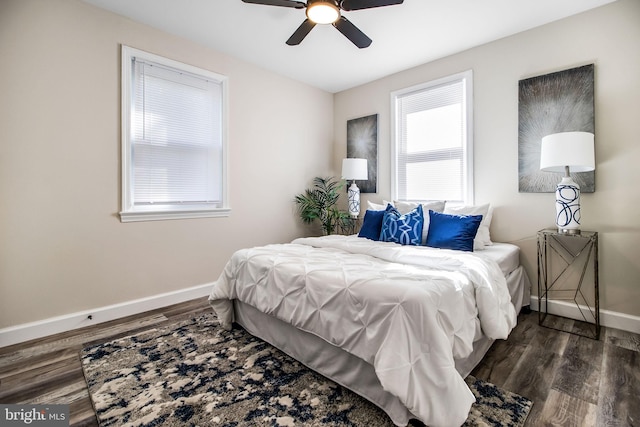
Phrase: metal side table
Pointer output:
(564, 275)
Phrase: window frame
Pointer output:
(129, 212)
(466, 77)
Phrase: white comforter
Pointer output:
(406, 310)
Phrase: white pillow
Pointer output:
(406, 207)
(375, 206)
(483, 238)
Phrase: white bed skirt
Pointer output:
(351, 371)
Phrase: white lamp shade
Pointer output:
(573, 149)
(354, 169)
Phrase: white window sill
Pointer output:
(133, 216)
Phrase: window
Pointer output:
(432, 146)
(173, 139)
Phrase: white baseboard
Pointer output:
(42, 328)
(610, 319)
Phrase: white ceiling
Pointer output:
(404, 36)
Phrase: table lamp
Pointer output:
(353, 169)
(568, 152)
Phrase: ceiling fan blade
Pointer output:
(302, 31)
(282, 3)
(352, 32)
(367, 4)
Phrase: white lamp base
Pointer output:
(568, 206)
(354, 200)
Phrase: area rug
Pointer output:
(194, 373)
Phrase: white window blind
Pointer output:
(175, 139)
(176, 136)
(433, 141)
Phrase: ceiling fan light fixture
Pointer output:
(323, 12)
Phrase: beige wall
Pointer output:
(62, 246)
(64, 250)
(609, 37)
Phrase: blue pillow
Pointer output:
(404, 229)
(371, 225)
(452, 231)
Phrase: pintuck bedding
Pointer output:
(410, 312)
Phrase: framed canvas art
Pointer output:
(557, 102)
(362, 142)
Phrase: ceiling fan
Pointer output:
(328, 12)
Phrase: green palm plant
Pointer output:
(319, 203)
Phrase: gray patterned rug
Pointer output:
(193, 373)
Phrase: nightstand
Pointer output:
(349, 226)
(568, 272)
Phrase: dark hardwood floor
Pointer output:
(572, 380)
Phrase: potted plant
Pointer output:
(319, 203)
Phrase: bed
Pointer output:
(400, 325)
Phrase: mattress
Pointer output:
(506, 255)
